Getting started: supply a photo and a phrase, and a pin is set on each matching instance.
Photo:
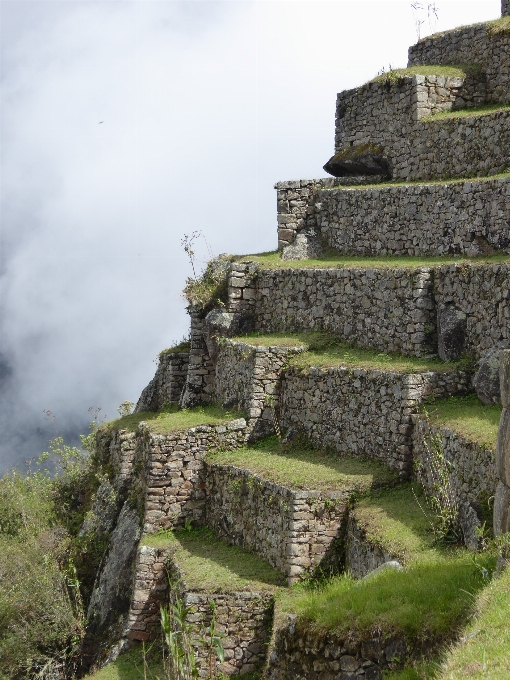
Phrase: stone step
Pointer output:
(466, 217)
(210, 577)
(290, 507)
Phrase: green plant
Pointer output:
(126, 408)
(179, 637)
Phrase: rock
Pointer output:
(486, 378)
(391, 564)
(167, 384)
(503, 448)
(364, 159)
(470, 524)
(501, 510)
(451, 329)
(101, 517)
(504, 378)
(306, 246)
(218, 324)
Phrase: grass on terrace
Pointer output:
(130, 666)
(170, 419)
(211, 564)
(272, 260)
(482, 653)
(298, 466)
(485, 110)
(469, 417)
(324, 350)
(394, 75)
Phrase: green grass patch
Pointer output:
(473, 420)
(323, 350)
(395, 521)
(427, 602)
(211, 564)
(130, 666)
(498, 27)
(483, 649)
(332, 259)
(171, 418)
(182, 346)
(298, 466)
(475, 111)
(395, 75)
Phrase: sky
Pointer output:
(125, 126)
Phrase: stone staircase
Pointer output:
(411, 266)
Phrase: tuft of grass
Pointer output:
(475, 111)
(426, 603)
(482, 652)
(498, 26)
(273, 261)
(210, 564)
(171, 418)
(324, 350)
(394, 520)
(473, 420)
(298, 466)
(182, 346)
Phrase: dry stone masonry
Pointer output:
(167, 385)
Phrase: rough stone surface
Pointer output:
(301, 653)
(503, 448)
(504, 378)
(471, 523)
(471, 467)
(505, 8)
(361, 411)
(501, 510)
(451, 332)
(101, 518)
(116, 448)
(293, 530)
(486, 378)
(362, 556)
(167, 384)
(364, 163)
(471, 45)
(305, 246)
(198, 386)
(173, 481)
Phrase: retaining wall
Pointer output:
(471, 467)
(471, 45)
(362, 412)
(116, 448)
(167, 384)
(390, 310)
(361, 555)
(301, 653)
(293, 530)
(505, 8)
(172, 464)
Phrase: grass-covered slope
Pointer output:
(171, 419)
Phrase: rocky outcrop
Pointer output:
(486, 378)
(451, 332)
(167, 384)
(365, 159)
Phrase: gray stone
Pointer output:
(217, 324)
(471, 525)
(504, 378)
(396, 651)
(501, 510)
(486, 379)
(101, 517)
(167, 384)
(503, 448)
(355, 161)
(305, 247)
(391, 564)
(505, 8)
(451, 328)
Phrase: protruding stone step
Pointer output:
(214, 579)
(287, 506)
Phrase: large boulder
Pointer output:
(306, 246)
(364, 159)
(451, 330)
(486, 378)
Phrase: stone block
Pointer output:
(503, 448)
(504, 378)
(501, 510)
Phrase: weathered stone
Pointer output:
(365, 159)
(486, 379)
(102, 516)
(471, 525)
(503, 448)
(504, 378)
(501, 510)
(305, 246)
(167, 384)
(451, 330)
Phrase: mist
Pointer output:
(123, 127)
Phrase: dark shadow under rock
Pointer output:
(364, 159)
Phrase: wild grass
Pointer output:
(482, 652)
(210, 564)
(499, 26)
(394, 75)
(273, 261)
(324, 350)
(130, 666)
(171, 418)
(298, 466)
(475, 111)
(467, 415)
(427, 602)
(182, 346)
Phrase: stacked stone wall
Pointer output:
(362, 412)
(434, 219)
(301, 653)
(502, 496)
(247, 379)
(361, 555)
(505, 8)
(293, 530)
(172, 464)
(389, 310)
(471, 467)
(386, 115)
(116, 448)
(482, 294)
(471, 45)
(167, 385)
(198, 386)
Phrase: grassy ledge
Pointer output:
(210, 564)
(473, 112)
(273, 261)
(469, 417)
(170, 419)
(394, 75)
(297, 466)
(130, 666)
(322, 350)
